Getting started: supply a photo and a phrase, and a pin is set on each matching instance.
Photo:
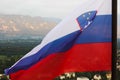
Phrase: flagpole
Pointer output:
(114, 38)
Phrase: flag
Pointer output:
(80, 43)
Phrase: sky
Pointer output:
(44, 8)
(118, 28)
(119, 7)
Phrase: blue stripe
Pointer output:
(98, 31)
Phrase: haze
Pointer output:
(44, 8)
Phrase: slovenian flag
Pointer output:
(80, 43)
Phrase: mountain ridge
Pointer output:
(20, 26)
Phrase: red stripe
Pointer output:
(80, 58)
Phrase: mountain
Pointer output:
(19, 26)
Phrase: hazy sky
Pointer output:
(45, 8)
(118, 29)
(119, 7)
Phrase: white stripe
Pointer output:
(69, 24)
